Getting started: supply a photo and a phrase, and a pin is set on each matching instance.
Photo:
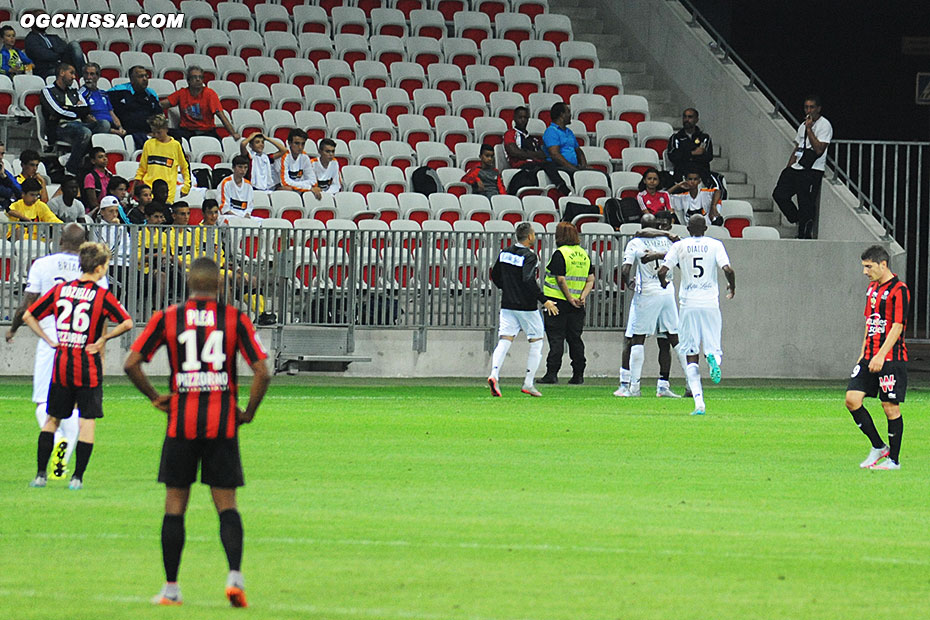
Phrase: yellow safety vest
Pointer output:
(577, 266)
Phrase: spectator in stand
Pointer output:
(690, 198)
(804, 173)
(326, 170)
(29, 166)
(651, 199)
(66, 205)
(160, 191)
(68, 117)
(9, 186)
(253, 147)
(29, 209)
(96, 180)
(163, 158)
(236, 196)
(99, 102)
(526, 152)
(197, 105)
(116, 237)
(134, 103)
(485, 179)
(142, 198)
(118, 187)
(691, 149)
(12, 61)
(48, 51)
(295, 171)
(560, 141)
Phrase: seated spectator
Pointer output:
(651, 199)
(326, 170)
(253, 147)
(236, 196)
(197, 105)
(180, 237)
(135, 103)
(99, 102)
(527, 153)
(560, 141)
(208, 242)
(67, 117)
(118, 187)
(295, 171)
(9, 186)
(163, 158)
(96, 180)
(136, 214)
(690, 149)
(29, 208)
(116, 237)
(12, 61)
(48, 51)
(29, 166)
(66, 205)
(690, 198)
(485, 179)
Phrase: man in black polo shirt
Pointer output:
(134, 103)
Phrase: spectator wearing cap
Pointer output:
(135, 103)
(198, 105)
(48, 51)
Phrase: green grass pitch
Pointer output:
(429, 500)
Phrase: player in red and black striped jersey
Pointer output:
(202, 337)
(81, 309)
(882, 367)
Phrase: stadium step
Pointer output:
(741, 191)
(656, 97)
(762, 204)
(732, 176)
(589, 25)
(722, 163)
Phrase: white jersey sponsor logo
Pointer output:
(699, 259)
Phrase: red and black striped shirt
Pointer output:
(886, 304)
(202, 337)
(81, 310)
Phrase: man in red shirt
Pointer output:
(81, 309)
(198, 105)
(202, 336)
(882, 367)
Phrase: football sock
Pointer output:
(863, 420)
(624, 376)
(532, 362)
(500, 353)
(69, 429)
(84, 449)
(637, 356)
(662, 384)
(682, 358)
(693, 373)
(665, 357)
(231, 535)
(41, 414)
(172, 542)
(44, 453)
(895, 430)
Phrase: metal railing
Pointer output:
(353, 278)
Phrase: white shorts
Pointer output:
(700, 326)
(42, 373)
(652, 313)
(530, 321)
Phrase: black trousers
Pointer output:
(527, 176)
(566, 326)
(805, 184)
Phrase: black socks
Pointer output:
(231, 535)
(172, 542)
(864, 422)
(44, 452)
(82, 452)
(895, 430)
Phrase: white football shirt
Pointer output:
(50, 270)
(236, 199)
(698, 259)
(327, 178)
(262, 179)
(647, 278)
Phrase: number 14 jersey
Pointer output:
(698, 258)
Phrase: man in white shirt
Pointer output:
(295, 171)
(326, 170)
(698, 258)
(44, 274)
(236, 196)
(805, 169)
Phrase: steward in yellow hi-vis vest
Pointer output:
(569, 281)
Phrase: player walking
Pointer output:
(882, 367)
(202, 336)
(699, 296)
(80, 309)
(515, 274)
(45, 273)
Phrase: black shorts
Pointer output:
(889, 384)
(61, 401)
(220, 465)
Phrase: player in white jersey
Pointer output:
(44, 274)
(652, 311)
(698, 258)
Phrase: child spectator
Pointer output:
(136, 214)
(12, 61)
(295, 171)
(236, 191)
(689, 198)
(163, 158)
(9, 186)
(253, 147)
(96, 180)
(650, 199)
(30, 208)
(485, 179)
(326, 170)
(66, 205)
(29, 162)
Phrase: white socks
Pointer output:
(693, 373)
(532, 362)
(500, 354)
(682, 358)
(637, 357)
(624, 376)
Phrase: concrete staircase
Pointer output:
(587, 25)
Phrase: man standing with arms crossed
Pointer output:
(202, 336)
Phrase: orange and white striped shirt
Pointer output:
(236, 199)
(296, 173)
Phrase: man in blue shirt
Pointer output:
(560, 143)
(100, 106)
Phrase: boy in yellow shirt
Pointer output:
(163, 158)
(30, 209)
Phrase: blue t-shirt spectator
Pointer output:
(99, 102)
(564, 139)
